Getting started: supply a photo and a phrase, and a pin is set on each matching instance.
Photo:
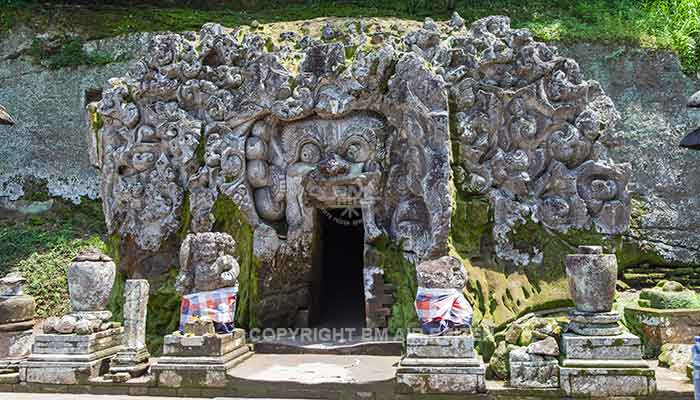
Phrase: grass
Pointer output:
(659, 24)
(41, 247)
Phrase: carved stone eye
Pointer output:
(310, 153)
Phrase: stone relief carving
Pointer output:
(285, 127)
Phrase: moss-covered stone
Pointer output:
(400, 273)
(229, 219)
(669, 295)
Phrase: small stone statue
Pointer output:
(207, 263)
(440, 303)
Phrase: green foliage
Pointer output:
(41, 247)
(400, 273)
(665, 24)
(163, 313)
(66, 52)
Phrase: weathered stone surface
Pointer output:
(677, 357)
(499, 363)
(592, 276)
(66, 324)
(529, 370)
(70, 359)
(133, 360)
(90, 280)
(49, 141)
(607, 383)
(16, 309)
(442, 273)
(16, 344)
(199, 360)
(11, 284)
(622, 347)
(135, 311)
(434, 382)
(424, 346)
(545, 347)
(207, 263)
(657, 327)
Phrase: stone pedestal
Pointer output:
(599, 358)
(71, 359)
(16, 327)
(199, 361)
(132, 361)
(440, 364)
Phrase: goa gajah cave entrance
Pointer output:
(338, 288)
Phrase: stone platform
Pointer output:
(605, 366)
(440, 364)
(71, 359)
(199, 360)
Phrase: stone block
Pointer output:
(623, 347)
(425, 346)
(533, 371)
(203, 346)
(435, 382)
(199, 361)
(607, 382)
(16, 344)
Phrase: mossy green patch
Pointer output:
(229, 219)
(400, 273)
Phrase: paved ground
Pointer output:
(316, 368)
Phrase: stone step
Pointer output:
(349, 347)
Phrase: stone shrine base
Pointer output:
(607, 382)
(199, 361)
(71, 359)
(440, 364)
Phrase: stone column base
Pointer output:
(71, 359)
(199, 360)
(607, 382)
(128, 364)
(440, 364)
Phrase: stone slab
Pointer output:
(622, 347)
(442, 362)
(426, 383)
(607, 382)
(62, 372)
(425, 346)
(605, 363)
(595, 329)
(594, 318)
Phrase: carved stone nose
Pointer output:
(334, 165)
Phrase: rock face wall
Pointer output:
(647, 88)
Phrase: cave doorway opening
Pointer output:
(338, 289)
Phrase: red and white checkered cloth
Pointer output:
(218, 305)
(435, 305)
